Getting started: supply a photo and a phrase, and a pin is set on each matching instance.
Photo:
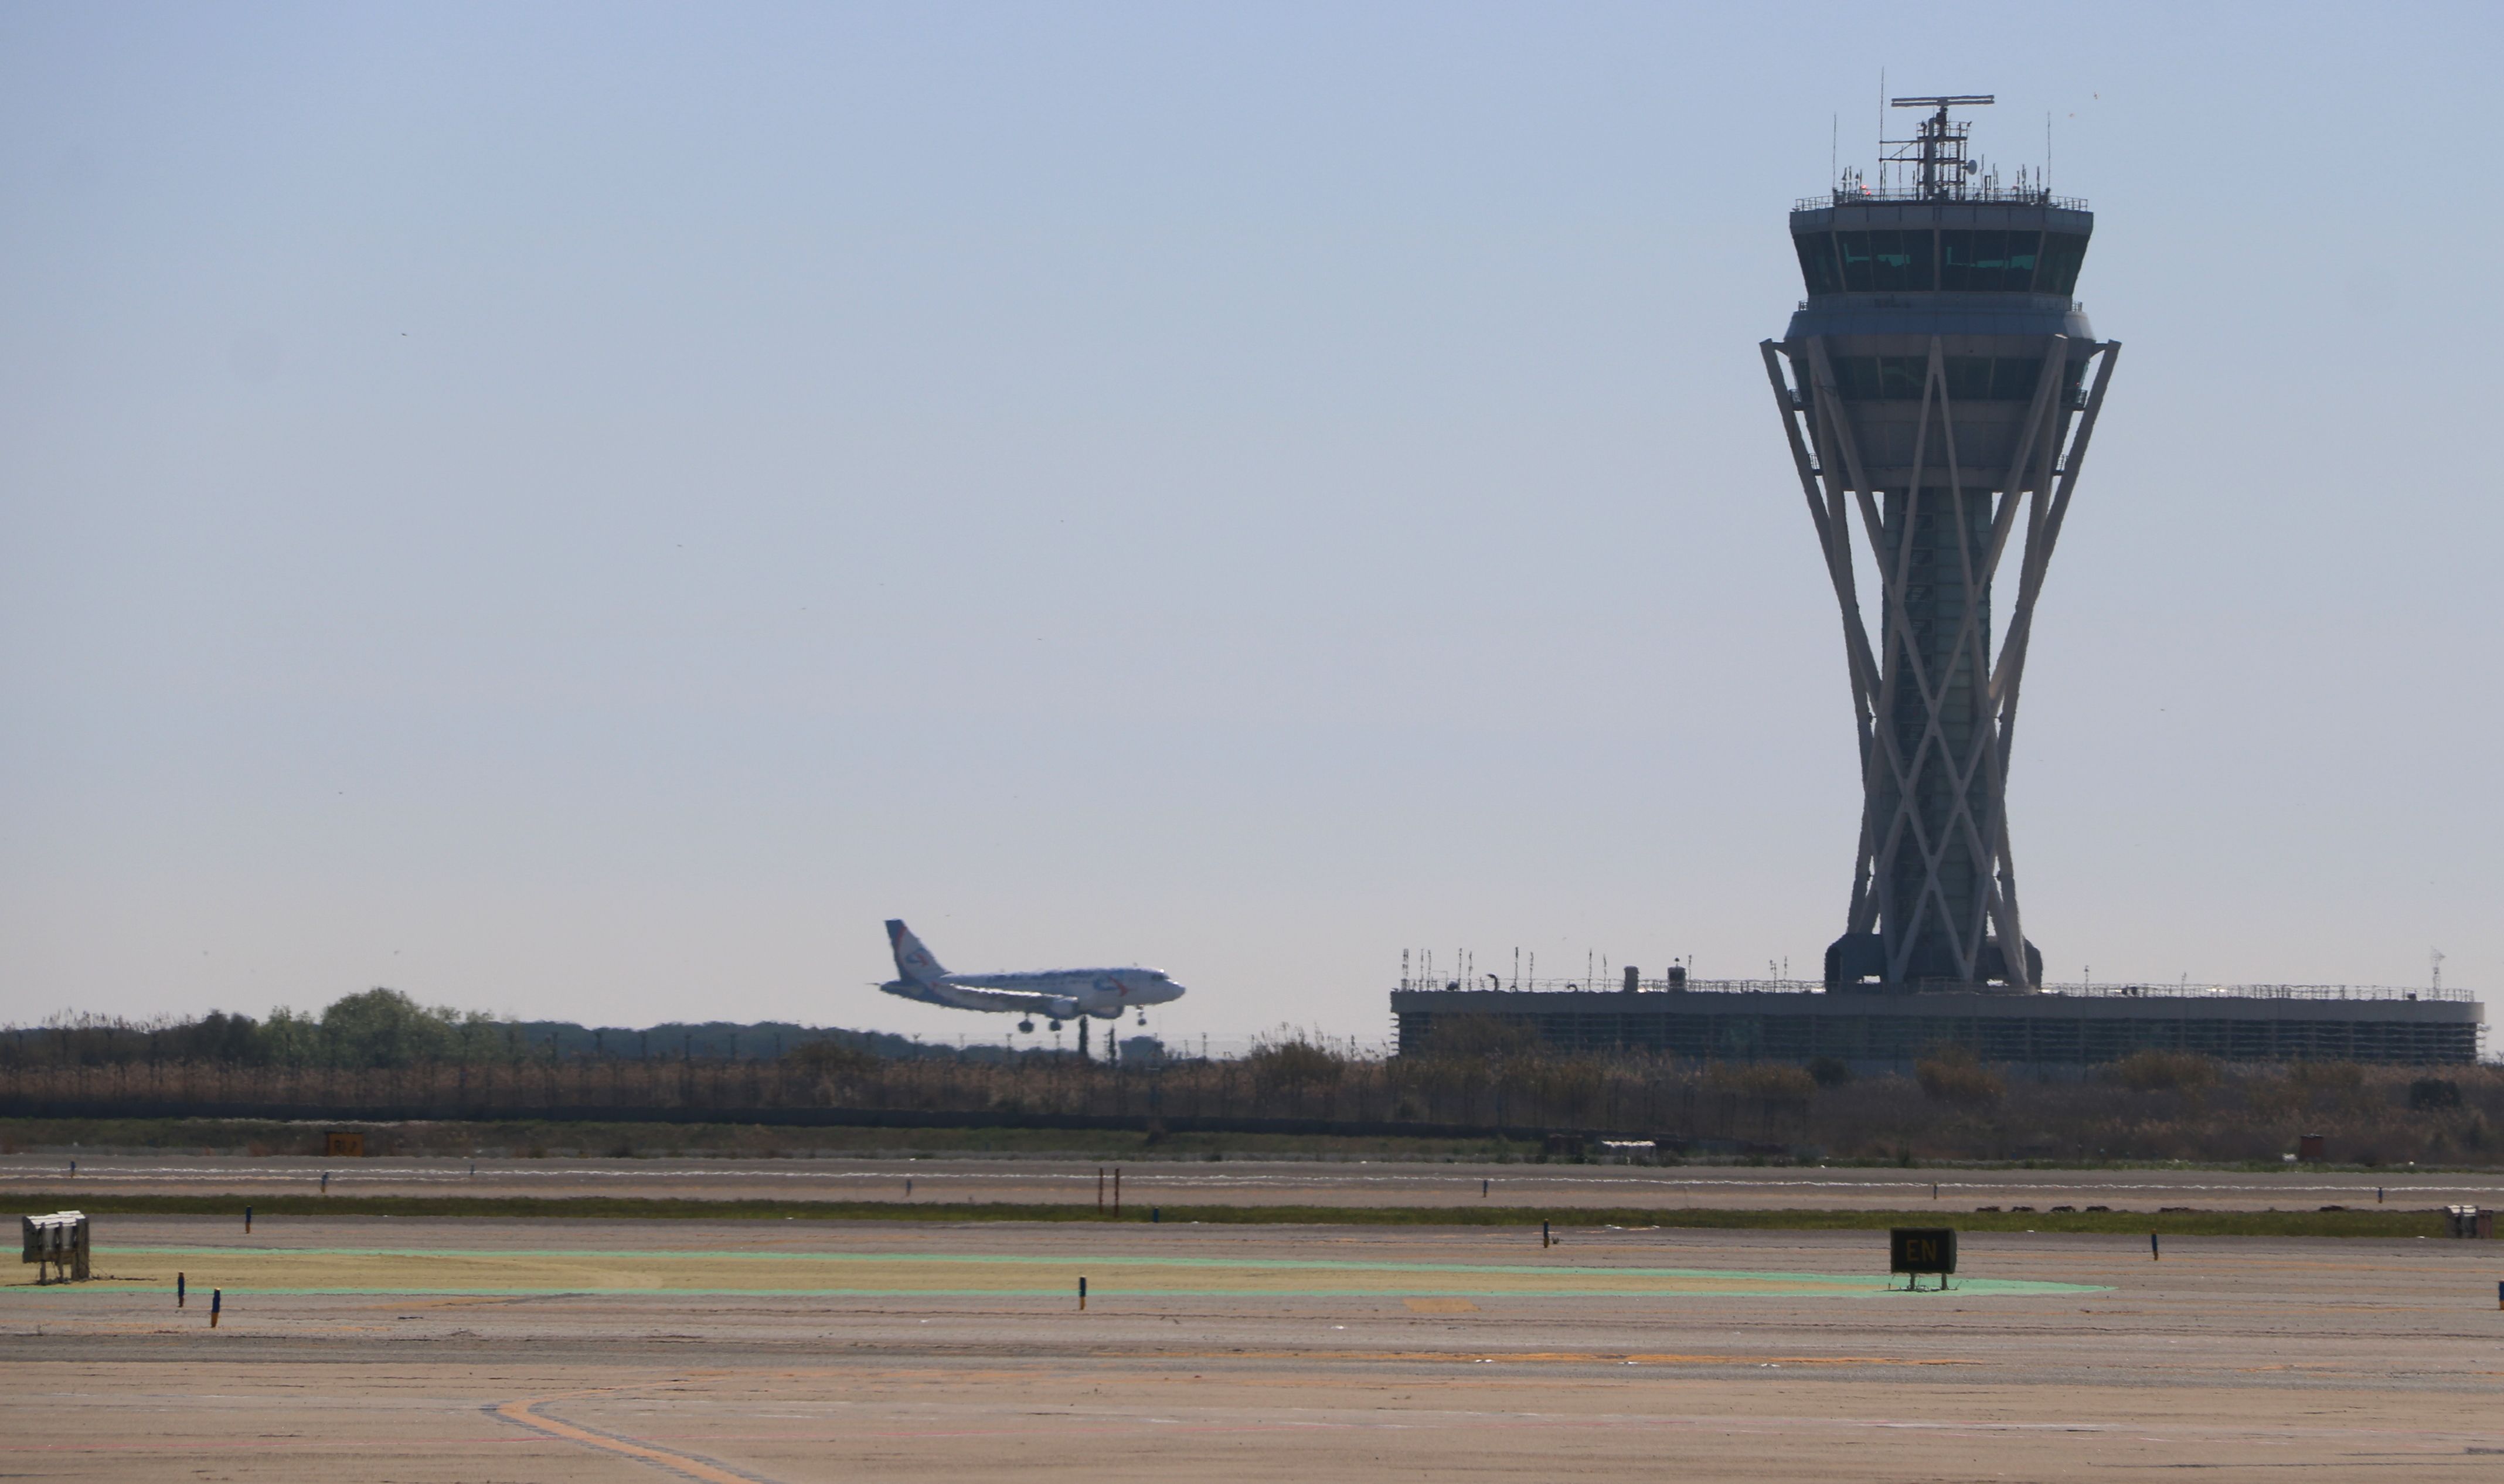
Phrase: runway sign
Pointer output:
(1921, 1250)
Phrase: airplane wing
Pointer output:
(1017, 983)
(1056, 1006)
(1005, 999)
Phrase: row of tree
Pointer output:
(386, 1028)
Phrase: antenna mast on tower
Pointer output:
(1937, 150)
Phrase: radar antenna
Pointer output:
(1937, 150)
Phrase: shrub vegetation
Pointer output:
(400, 1063)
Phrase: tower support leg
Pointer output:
(1934, 887)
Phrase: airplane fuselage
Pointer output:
(1060, 994)
(1057, 994)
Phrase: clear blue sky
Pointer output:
(585, 509)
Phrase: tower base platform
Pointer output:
(1767, 1020)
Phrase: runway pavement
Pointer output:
(1265, 1182)
(546, 1350)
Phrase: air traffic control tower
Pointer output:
(1938, 386)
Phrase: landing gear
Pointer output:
(1028, 1027)
(1056, 1026)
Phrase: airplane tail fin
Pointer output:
(913, 962)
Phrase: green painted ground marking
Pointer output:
(1871, 1288)
(1102, 1260)
(1115, 1272)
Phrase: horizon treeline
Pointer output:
(2149, 1105)
(383, 1027)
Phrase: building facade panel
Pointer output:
(2048, 1029)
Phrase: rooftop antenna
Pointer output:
(1937, 148)
(2435, 955)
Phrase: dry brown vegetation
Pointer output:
(2151, 1106)
(1955, 1077)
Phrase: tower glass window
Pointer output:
(1884, 261)
(1817, 262)
(1989, 261)
(2013, 378)
(1901, 260)
(2024, 247)
(2063, 253)
(1968, 378)
(1854, 250)
(1961, 256)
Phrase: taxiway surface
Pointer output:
(1261, 1183)
(420, 1350)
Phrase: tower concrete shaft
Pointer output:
(1939, 385)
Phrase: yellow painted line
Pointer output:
(524, 1413)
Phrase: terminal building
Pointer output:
(1938, 386)
(2060, 1026)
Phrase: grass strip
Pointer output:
(2375, 1223)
